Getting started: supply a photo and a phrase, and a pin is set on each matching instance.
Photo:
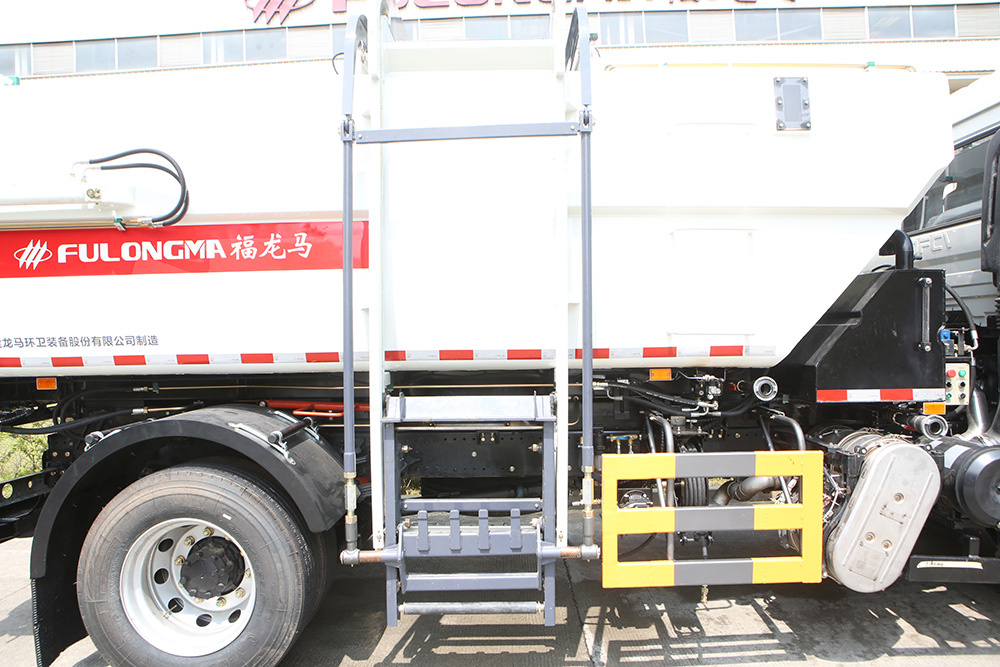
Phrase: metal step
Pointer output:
(439, 608)
(472, 581)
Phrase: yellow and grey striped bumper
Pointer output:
(806, 516)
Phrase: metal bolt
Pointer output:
(781, 125)
(805, 103)
(887, 544)
(239, 593)
(809, 126)
(404, 449)
(512, 468)
(248, 574)
(198, 600)
(474, 455)
(869, 537)
(898, 497)
(779, 101)
(208, 532)
(778, 81)
(189, 541)
(221, 602)
(534, 448)
(179, 561)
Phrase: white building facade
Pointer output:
(47, 38)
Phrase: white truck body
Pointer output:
(477, 264)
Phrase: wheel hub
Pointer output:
(212, 568)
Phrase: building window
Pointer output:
(666, 27)
(137, 53)
(621, 28)
(266, 44)
(712, 26)
(222, 47)
(889, 22)
(930, 22)
(55, 58)
(800, 25)
(15, 60)
(529, 27)
(486, 27)
(759, 25)
(95, 56)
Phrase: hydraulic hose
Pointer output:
(659, 407)
(183, 200)
(680, 400)
(15, 416)
(748, 403)
(58, 428)
(973, 330)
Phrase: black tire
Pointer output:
(131, 581)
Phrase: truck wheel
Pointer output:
(196, 565)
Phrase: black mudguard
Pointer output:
(312, 476)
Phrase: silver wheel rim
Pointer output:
(157, 605)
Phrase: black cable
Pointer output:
(58, 428)
(659, 407)
(965, 311)
(748, 403)
(182, 201)
(656, 394)
(640, 547)
(15, 415)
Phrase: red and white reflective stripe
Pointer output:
(679, 352)
(173, 360)
(877, 395)
(247, 358)
(470, 355)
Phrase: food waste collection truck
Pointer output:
(443, 305)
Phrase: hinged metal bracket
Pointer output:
(279, 447)
(347, 130)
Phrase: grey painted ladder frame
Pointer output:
(577, 55)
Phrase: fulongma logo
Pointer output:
(268, 8)
(37, 252)
(32, 254)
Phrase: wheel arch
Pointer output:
(231, 433)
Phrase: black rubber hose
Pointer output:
(15, 415)
(169, 218)
(640, 547)
(659, 407)
(58, 428)
(656, 394)
(965, 310)
(748, 404)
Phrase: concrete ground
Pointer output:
(909, 624)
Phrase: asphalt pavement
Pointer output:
(909, 624)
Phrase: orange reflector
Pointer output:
(934, 408)
(661, 374)
(45, 383)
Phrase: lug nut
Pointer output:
(239, 593)
(208, 532)
(179, 561)
(189, 541)
(221, 602)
